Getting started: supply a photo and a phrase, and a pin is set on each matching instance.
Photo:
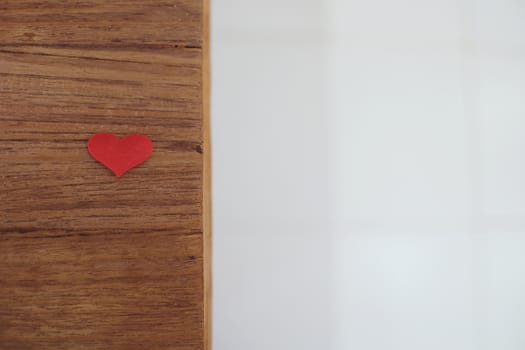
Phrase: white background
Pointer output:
(369, 174)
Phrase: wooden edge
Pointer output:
(207, 209)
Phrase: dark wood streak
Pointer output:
(87, 260)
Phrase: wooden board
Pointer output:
(88, 260)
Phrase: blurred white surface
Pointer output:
(369, 177)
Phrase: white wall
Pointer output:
(369, 176)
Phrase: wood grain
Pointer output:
(88, 260)
(207, 176)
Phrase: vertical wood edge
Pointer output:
(207, 207)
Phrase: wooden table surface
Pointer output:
(89, 260)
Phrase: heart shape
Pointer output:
(120, 154)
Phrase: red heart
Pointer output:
(120, 155)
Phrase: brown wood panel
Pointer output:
(88, 260)
(102, 23)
